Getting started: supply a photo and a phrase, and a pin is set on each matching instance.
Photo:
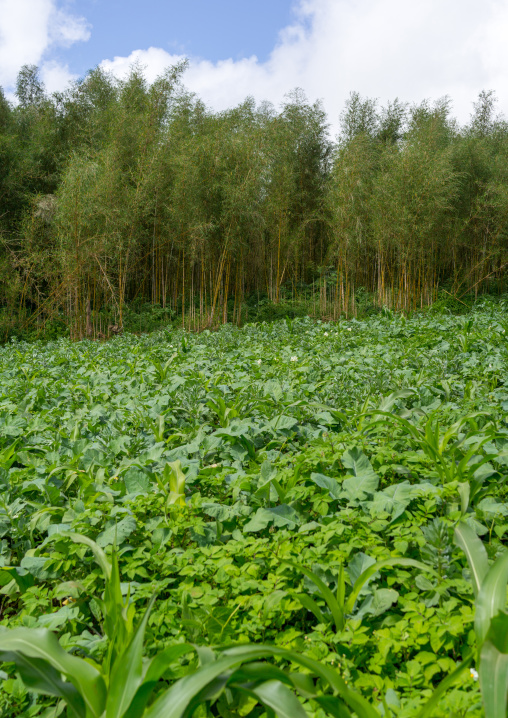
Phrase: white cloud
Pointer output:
(65, 29)
(381, 48)
(154, 60)
(29, 30)
(56, 76)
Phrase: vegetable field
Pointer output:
(331, 494)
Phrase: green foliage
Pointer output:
(123, 684)
(491, 625)
(131, 205)
(288, 490)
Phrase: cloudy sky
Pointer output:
(265, 48)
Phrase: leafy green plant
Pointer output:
(124, 683)
(172, 483)
(339, 605)
(162, 370)
(451, 455)
(491, 622)
(224, 413)
(91, 439)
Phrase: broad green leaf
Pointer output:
(273, 389)
(492, 508)
(41, 644)
(117, 533)
(358, 464)
(369, 572)
(282, 516)
(393, 500)
(402, 492)
(377, 603)
(357, 488)
(160, 537)
(21, 576)
(267, 471)
(36, 566)
(279, 698)
(126, 675)
(475, 552)
(491, 597)
(39, 676)
(283, 423)
(12, 426)
(136, 481)
(333, 487)
(153, 454)
(326, 594)
(224, 512)
(52, 621)
(424, 584)
(58, 529)
(236, 428)
(494, 667)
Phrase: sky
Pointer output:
(265, 48)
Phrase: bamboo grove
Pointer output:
(120, 191)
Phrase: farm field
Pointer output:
(250, 478)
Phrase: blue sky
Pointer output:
(265, 48)
(211, 29)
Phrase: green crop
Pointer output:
(123, 684)
(299, 514)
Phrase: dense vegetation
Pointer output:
(120, 194)
(295, 485)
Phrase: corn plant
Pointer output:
(359, 417)
(450, 451)
(465, 338)
(491, 622)
(224, 412)
(162, 370)
(340, 606)
(124, 683)
(172, 483)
